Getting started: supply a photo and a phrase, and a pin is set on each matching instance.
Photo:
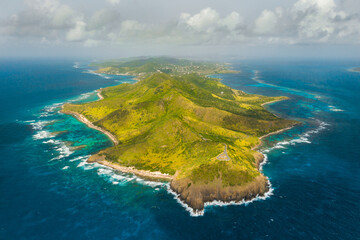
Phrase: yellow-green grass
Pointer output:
(179, 124)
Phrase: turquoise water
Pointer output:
(49, 191)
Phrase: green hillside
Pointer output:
(145, 66)
(179, 124)
(189, 126)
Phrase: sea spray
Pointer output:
(218, 203)
(302, 138)
(98, 74)
(61, 147)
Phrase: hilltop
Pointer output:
(187, 128)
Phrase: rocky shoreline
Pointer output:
(192, 194)
(197, 195)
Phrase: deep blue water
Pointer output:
(47, 191)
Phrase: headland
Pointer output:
(173, 124)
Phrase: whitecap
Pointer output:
(303, 138)
(335, 109)
(98, 74)
(86, 165)
(193, 212)
(197, 213)
(76, 65)
(66, 167)
(39, 124)
(79, 158)
(42, 135)
(29, 121)
(82, 96)
(60, 146)
(51, 109)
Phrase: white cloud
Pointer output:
(266, 22)
(309, 21)
(90, 43)
(306, 21)
(206, 20)
(78, 32)
(232, 21)
(114, 2)
(63, 16)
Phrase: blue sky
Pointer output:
(119, 28)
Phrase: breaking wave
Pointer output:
(198, 213)
(98, 74)
(42, 135)
(113, 176)
(335, 109)
(60, 146)
(83, 96)
(39, 125)
(303, 138)
(76, 65)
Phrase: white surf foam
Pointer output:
(76, 65)
(51, 109)
(39, 124)
(42, 135)
(83, 96)
(99, 74)
(60, 146)
(198, 213)
(29, 121)
(303, 138)
(79, 158)
(114, 176)
(335, 109)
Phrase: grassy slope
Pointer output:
(179, 124)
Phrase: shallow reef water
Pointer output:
(49, 191)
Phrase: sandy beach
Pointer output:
(103, 161)
(83, 119)
(98, 93)
(141, 173)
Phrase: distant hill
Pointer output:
(357, 69)
(142, 67)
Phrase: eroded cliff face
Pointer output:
(196, 194)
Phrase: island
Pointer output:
(357, 69)
(179, 125)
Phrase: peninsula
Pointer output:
(357, 69)
(179, 125)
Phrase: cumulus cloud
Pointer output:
(266, 22)
(306, 21)
(208, 20)
(90, 43)
(78, 32)
(208, 26)
(114, 2)
(40, 18)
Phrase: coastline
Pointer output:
(260, 157)
(84, 120)
(142, 173)
(103, 161)
(275, 132)
(225, 196)
(98, 93)
(356, 69)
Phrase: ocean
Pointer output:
(48, 191)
